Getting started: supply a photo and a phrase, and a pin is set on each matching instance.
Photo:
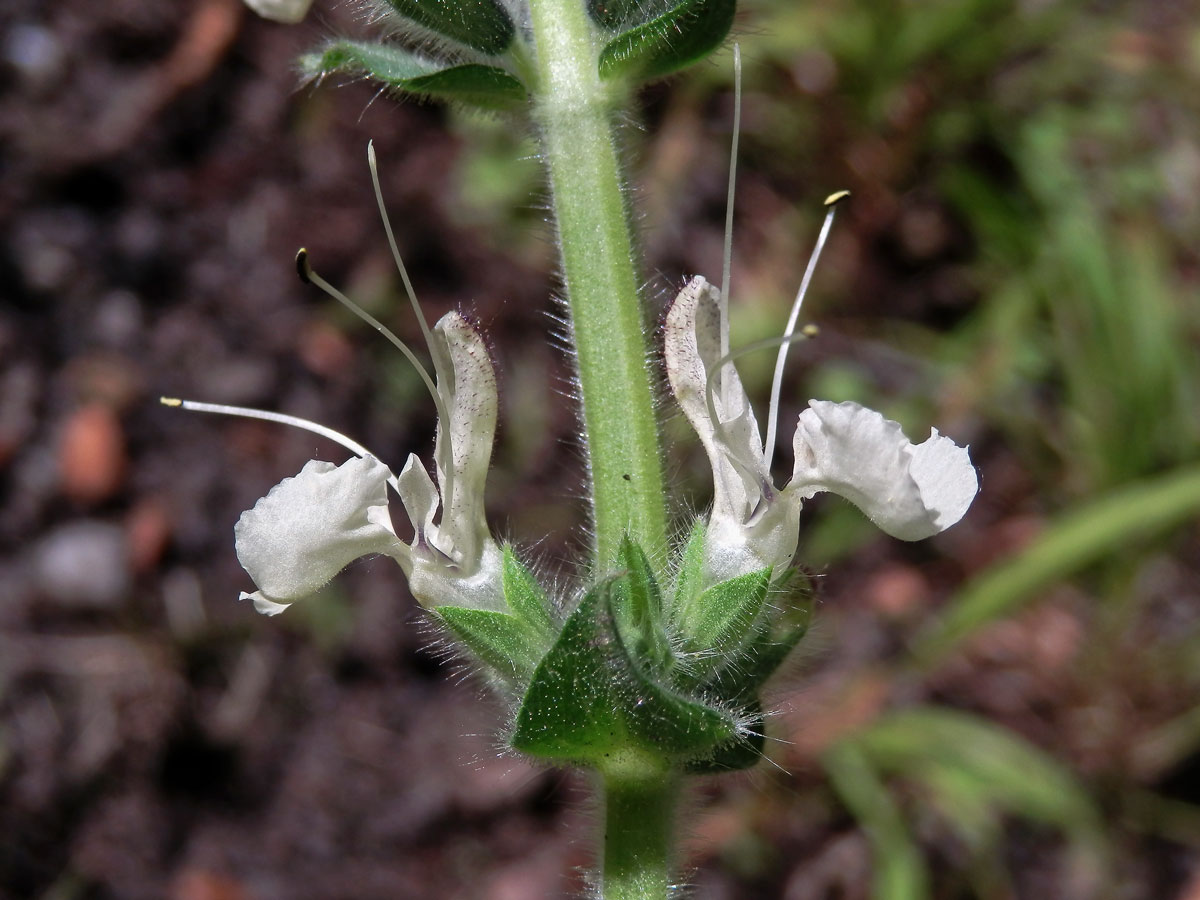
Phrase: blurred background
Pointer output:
(1011, 710)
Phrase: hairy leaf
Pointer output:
(681, 35)
(483, 86)
(589, 700)
(482, 25)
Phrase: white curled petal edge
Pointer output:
(911, 491)
(311, 526)
(420, 499)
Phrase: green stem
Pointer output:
(573, 110)
(638, 816)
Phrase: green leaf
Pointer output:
(503, 642)
(487, 87)
(524, 596)
(900, 872)
(1082, 537)
(482, 25)
(637, 607)
(977, 774)
(1006, 770)
(589, 700)
(681, 35)
(569, 711)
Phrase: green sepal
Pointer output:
(774, 636)
(736, 684)
(689, 579)
(589, 701)
(503, 642)
(743, 751)
(682, 34)
(524, 596)
(722, 616)
(482, 25)
(487, 87)
(638, 611)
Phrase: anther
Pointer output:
(303, 269)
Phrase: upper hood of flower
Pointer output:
(454, 559)
(466, 382)
(751, 526)
(692, 345)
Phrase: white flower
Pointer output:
(309, 527)
(286, 11)
(911, 491)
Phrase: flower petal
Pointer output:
(691, 349)
(467, 383)
(910, 491)
(769, 539)
(263, 605)
(309, 527)
(287, 11)
(436, 581)
(420, 498)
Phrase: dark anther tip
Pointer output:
(303, 269)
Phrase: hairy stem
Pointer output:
(639, 813)
(573, 110)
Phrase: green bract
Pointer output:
(482, 25)
(592, 700)
(625, 675)
(472, 52)
(476, 84)
(621, 15)
(676, 35)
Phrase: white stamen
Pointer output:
(306, 272)
(806, 333)
(247, 413)
(727, 256)
(387, 227)
(777, 381)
